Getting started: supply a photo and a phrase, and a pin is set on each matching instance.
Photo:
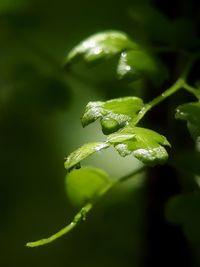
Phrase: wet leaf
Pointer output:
(120, 137)
(141, 64)
(85, 185)
(114, 114)
(191, 113)
(83, 152)
(146, 145)
(178, 35)
(101, 46)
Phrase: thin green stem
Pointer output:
(123, 179)
(79, 217)
(82, 214)
(170, 91)
(131, 174)
(179, 84)
(192, 90)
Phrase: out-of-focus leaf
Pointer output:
(176, 206)
(101, 46)
(83, 152)
(85, 185)
(157, 27)
(191, 113)
(185, 210)
(146, 145)
(13, 5)
(138, 64)
(152, 22)
(114, 114)
(183, 27)
(187, 161)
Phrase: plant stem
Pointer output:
(130, 175)
(79, 217)
(179, 84)
(171, 90)
(82, 214)
(192, 90)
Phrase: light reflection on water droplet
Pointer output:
(123, 150)
(89, 44)
(127, 68)
(101, 146)
(97, 50)
(123, 54)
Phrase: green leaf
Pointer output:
(137, 64)
(114, 114)
(185, 211)
(146, 145)
(187, 162)
(101, 46)
(191, 113)
(120, 137)
(83, 152)
(178, 36)
(86, 185)
(151, 23)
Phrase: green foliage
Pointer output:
(135, 62)
(138, 64)
(191, 113)
(185, 210)
(119, 117)
(83, 152)
(155, 25)
(40, 106)
(101, 46)
(146, 145)
(187, 162)
(114, 114)
(85, 185)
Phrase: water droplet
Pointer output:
(128, 68)
(123, 150)
(123, 54)
(101, 146)
(89, 44)
(109, 125)
(97, 50)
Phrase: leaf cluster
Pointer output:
(119, 117)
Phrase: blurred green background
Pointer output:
(40, 107)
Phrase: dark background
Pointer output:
(40, 107)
